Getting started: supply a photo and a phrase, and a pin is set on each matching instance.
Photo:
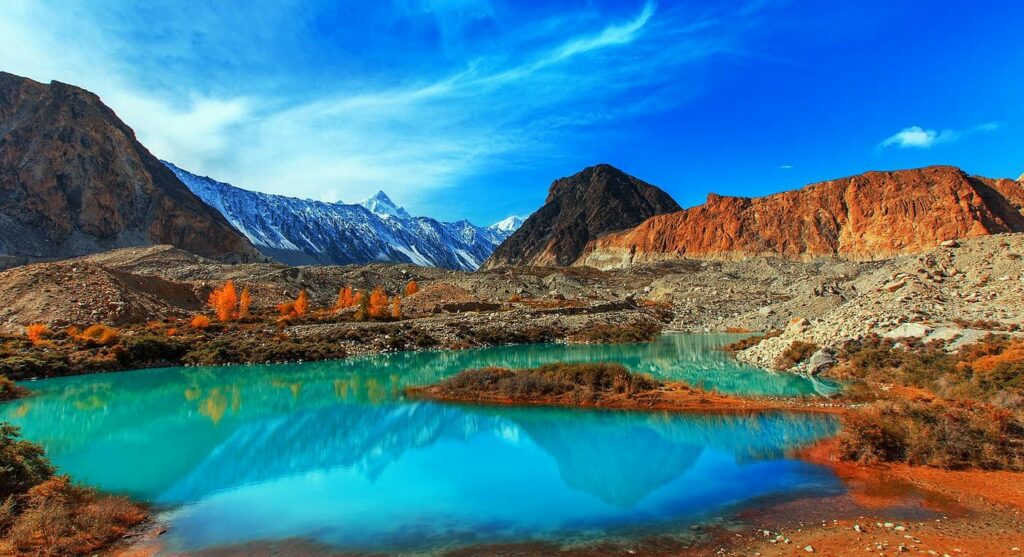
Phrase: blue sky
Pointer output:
(470, 108)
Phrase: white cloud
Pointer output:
(193, 132)
(505, 106)
(920, 138)
(916, 136)
(786, 166)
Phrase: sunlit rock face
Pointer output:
(869, 216)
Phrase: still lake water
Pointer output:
(331, 452)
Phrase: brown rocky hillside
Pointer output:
(869, 216)
(578, 209)
(74, 180)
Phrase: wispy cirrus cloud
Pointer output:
(270, 111)
(916, 137)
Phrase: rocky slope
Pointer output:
(578, 209)
(869, 216)
(955, 293)
(960, 290)
(303, 231)
(74, 180)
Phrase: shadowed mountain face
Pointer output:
(869, 216)
(74, 180)
(578, 209)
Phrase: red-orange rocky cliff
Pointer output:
(868, 216)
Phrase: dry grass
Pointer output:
(797, 352)
(585, 382)
(936, 433)
(975, 421)
(58, 518)
(989, 371)
(749, 342)
(46, 515)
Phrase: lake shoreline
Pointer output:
(262, 339)
(209, 395)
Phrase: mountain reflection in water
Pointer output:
(332, 452)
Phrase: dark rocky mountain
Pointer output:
(578, 209)
(74, 180)
(874, 215)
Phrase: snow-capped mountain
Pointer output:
(381, 205)
(508, 224)
(304, 231)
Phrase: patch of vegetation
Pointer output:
(43, 514)
(987, 325)
(149, 349)
(797, 352)
(954, 436)
(96, 335)
(34, 363)
(23, 463)
(509, 335)
(9, 390)
(583, 382)
(976, 419)
(989, 371)
(750, 341)
(619, 334)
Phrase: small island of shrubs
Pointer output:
(606, 385)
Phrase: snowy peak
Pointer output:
(508, 224)
(380, 204)
(303, 231)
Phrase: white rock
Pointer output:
(909, 330)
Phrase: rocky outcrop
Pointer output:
(578, 209)
(74, 180)
(870, 216)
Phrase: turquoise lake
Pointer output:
(332, 453)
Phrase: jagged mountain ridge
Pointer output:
(74, 180)
(303, 231)
(579, 208)
(873, 215)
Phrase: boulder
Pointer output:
(821, 361)
(909, 330)
(797, 325)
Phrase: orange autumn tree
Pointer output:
(378, 304)
(224, 301)
(200, 322)
(396, 307)
(302, 303)
(35, 333)
(295, 308)
(346, 298)
(411, 288)
(244, 301)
